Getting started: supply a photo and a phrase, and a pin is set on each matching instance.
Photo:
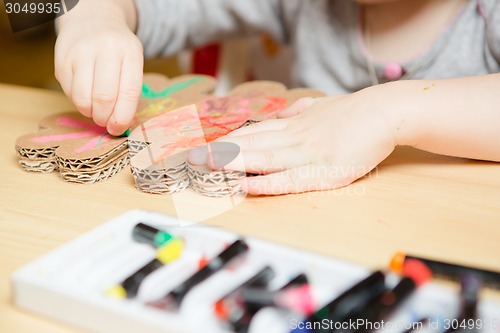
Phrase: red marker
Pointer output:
(298, 299)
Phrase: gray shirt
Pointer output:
(324, 36)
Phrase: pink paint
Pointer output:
(93, 143)
(75, 123)
(62, 137)
(90, 130)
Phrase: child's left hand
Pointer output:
(316, 144)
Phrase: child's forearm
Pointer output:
(457, 117)
(123, 10)
(330, 142)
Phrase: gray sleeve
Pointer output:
(166, 27)
(493, 36)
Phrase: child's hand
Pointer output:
(99, 63)
(317, 144)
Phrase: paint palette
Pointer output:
(72, 283)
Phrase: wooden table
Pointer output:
(421, 203)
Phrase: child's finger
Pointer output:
(63, 70)
(64, 74)
(128, 95)
(81, 89)
(266, 161)
(263, 140)
(297, 180)
(105, 90)
(214, 154)
(296, 108)
(267, 125)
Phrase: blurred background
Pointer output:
(27, 57)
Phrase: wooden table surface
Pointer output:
(424, 204)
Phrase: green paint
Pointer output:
(125, 134)
(99, 142)
(161, 238)
(149, 93)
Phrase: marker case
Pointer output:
(69, 284)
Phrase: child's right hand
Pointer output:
(99, 64)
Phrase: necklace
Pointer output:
(394, 71)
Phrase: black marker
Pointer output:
(350, 302)
(130, 286)
(416, 274)
(175, 297)
(243, 324)
(230, 308)
(445, 270)
(143, 233)
(469, 294)
(168, 249)
(386, 303)
(164, 255)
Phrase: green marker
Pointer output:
(125, 134)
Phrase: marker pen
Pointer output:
(469, 295)
(231, 307)
(242, 325)
(449, 271)
(143, 233)
(349, 303)
(175, 297)
(298, 299)
(168, 249)
(415, 273)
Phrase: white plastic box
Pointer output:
(69, 283)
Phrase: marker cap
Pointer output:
(116, 291)
(144, 233)
(170, 251)
(397, 262)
